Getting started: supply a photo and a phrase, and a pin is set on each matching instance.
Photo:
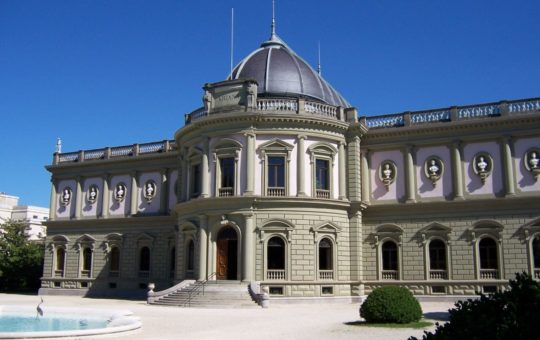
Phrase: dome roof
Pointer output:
(280, 71)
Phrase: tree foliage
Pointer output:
(505, 315)
(391, 304)
(21, 260)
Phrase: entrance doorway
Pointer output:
(227, 254)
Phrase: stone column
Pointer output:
(78, 198)
(410, 178)
(134, 193)
(301, 169)
(353, 157)
(342, 173)
(182, 179)
(205, 176)
(201, 270)
(105, 197)
(52, 209)
(248, 255)
(508, 167)
(355, 230)
(457, 170)
(250, 166)
(164, 192)
(365, 176)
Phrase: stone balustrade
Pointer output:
(438, 274)
(326, 274)
(275, 274)
(453, 114)
(115, 152)
(489, 274)
(390, 274)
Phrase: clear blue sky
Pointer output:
(104, 73)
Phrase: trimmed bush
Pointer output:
(513, 314)
(391, 304)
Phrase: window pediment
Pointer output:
(275, 145)
(435, 229)
(145, 240)
(276, 226)
(388, 231)
(322, 149)
(325, 229)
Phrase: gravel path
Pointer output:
(295, 321)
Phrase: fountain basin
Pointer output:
(23, 322)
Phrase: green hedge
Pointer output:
(513, 314)
(391, 304)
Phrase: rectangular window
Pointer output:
(276, 172)
(195, 180)
(226, 166)
(321, 174)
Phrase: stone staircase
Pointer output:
(217, 294)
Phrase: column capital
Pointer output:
(302, 136)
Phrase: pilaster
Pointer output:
(250, 168)
(301, 167)
(52, 209)
(342, 173)
(105, 197)
(205, 168)
(410, 178)
(78, 197)
(201, 270)
(457, 170)
(248, 255)
(365, 176)
(353, 168)
(134, 193)
(164, 192)
(508, 167)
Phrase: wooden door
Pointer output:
(222, 252)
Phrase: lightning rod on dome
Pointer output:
(232, 39)
(319, 62)
(273, 20)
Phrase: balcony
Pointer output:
(275, 274)
(489, 274)
(276, 192)
(326, 274)
(438, 274)
(321, 193)
(226, 192)
(390, 274)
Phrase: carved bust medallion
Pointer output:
(120, 192)
(149, 190)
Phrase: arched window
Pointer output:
(276, 259)
(144, 259)
(114, 258)
(191, 256)
(87, 259)
(389, 252)
(60, 261)
(489, 263)
(437, 255)
(325, 255)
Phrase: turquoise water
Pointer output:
(25, 323)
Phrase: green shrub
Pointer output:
(512, 314)
(391, 304)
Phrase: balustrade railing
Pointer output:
(321, 109)
(58, 273)
(274, 192)
(115, 152)
(458, 113)
(277, 104)
(438, 274)
(489, 274)
(326, 274)
(275, 274)
(321, 193)
(226, 192)
(390, 274)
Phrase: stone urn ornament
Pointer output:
(532, 163)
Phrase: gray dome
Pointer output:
(280, 71)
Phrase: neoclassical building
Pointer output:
(277, 179)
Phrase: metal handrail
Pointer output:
(198, 286)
